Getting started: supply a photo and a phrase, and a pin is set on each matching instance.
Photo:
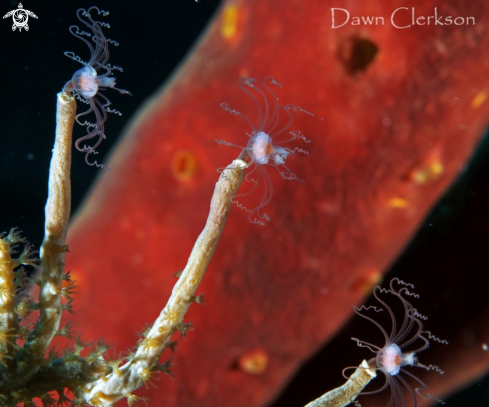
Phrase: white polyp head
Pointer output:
(260, 146)
(85, 82)
(390, 359)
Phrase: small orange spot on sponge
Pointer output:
(398, 202)
(183, 165)
(254, 361)
(479, 99)
(229, 21)
(429, 169)
(426, 173)
(233, 22)
(366, 282)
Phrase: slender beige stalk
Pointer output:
(18, 381)
(57, 211)
(123, 380)
(344, 395)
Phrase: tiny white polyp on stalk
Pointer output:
(87, 82)
(400, 348)
(265, 146)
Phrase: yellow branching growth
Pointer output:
(11, 280)
(28, 368)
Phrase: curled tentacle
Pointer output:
(265, 145)
(93, 77)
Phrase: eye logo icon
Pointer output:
(20, 17)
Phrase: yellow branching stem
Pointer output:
(344, 395)
(8, 317)
(123, 380)
(10, 280)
